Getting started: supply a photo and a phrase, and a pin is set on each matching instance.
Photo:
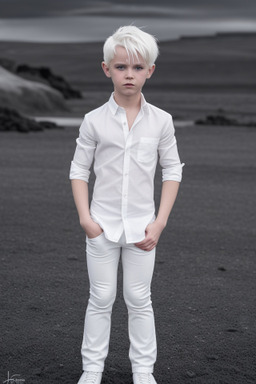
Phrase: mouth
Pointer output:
(129, 85)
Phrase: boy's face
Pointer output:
(127, 73)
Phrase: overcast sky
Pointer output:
(84, 20)
(36, 8)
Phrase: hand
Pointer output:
(91, 228)
(152, 235)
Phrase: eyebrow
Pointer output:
(135, 64)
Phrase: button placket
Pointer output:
(126, 165)
(125, 126)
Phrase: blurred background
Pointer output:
(81, 20)
(48, 55)
(204, 280)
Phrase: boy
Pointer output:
(123, 137)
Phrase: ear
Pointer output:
(151, 71)
(105, 69)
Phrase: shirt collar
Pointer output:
(114, 107)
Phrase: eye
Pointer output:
(120, 67)
(138, 67)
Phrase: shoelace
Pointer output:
(144, 378)
(91, 377)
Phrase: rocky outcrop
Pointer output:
(10, 120)
(45, 74)
(28, 96)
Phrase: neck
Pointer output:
(128, 102)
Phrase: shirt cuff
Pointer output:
(79, 173)
(174, 173)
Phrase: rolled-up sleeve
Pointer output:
(168, 154)
(84, 153)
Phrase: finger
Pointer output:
(143, 247)
(147, 247)
(148, 238)
(152, 246)
(141, 243)
(144, 243)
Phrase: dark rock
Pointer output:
(217, 120)
(190, 374)
(37, 371)
(7, 64)
(212, 357)
(251, 124)
(45, 75)
(223, 121)
(231, 330)
(49, 125)
(11, 120)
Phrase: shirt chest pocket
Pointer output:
(147, 149)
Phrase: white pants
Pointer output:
(138, 265)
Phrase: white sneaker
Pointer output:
(90, 378)
(143, 378)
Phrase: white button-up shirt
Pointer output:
(124, 165)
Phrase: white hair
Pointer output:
(135, 41)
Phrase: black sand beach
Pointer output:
(204, 283)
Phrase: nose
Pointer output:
(129, 74)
